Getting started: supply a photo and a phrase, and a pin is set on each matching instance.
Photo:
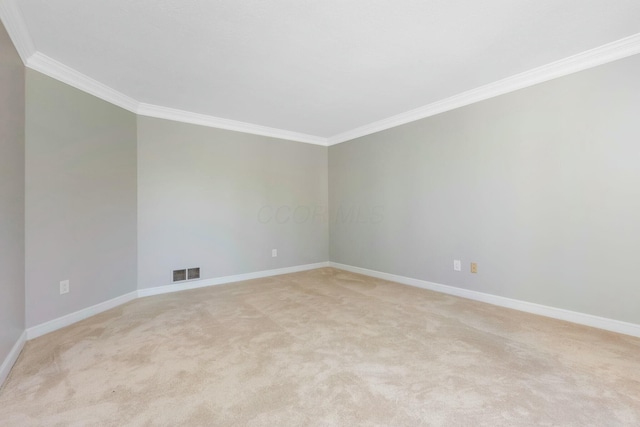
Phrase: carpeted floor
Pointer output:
(322, 348)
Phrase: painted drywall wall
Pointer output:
(11, 195)
(540, 187)
(222, 200)
(80, 199)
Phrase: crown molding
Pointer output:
(160, 112)
(11, 17)
(59, 71)
(591, 58)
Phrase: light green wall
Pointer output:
(80, 199)
(540, 187)
(222, 200)
(11, 196)
(194, 196)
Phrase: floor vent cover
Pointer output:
(193, 273)
(179, 275)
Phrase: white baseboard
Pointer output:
(69, 319)
(177, 287)
(11, 358)
(553, 312)
(529, 307)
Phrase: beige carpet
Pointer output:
(322, 348)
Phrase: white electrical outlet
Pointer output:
(64, 287)
(274, 253)
(457, 265)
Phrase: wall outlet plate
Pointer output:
(274, 253)
(474, 267)
(64, 287)
(457, 265)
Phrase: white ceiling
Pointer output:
(315, 67)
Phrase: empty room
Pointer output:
(319, 213)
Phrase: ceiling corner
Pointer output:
(12, 18)
(167, 113)
(13, 21)
(610, 52)
(59, 71)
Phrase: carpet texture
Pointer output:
(322, 348)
